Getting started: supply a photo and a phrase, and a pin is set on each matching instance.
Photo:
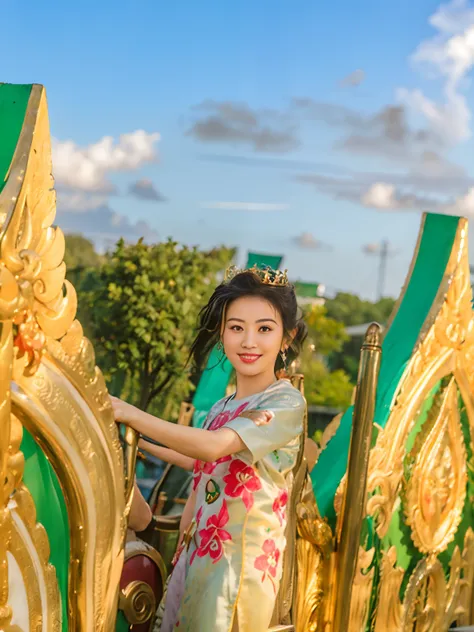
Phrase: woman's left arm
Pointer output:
(140, 513)
(193, 442)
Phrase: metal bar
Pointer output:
(354, 502)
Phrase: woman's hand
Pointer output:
(123, 412)
(259, 417)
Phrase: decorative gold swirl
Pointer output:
(59, 394)
(137, 602)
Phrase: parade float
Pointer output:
(381, 530)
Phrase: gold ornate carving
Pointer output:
(363, 580)
(58, 393)
(25, 547)
(313, 550)
(31, 250)
(137, 602)
(465, 609)
(389, 608)
(446, 339)
(7, 476)
(436, 490)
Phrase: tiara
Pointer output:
(266, 275)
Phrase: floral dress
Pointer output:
(231, 568)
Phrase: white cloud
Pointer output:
(245, 206)
(87, 168)
(380, 195)
(463, 205)
(450, 54)
(80, 201)
(308, 241)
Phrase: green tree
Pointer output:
(350, 309)
(80, 253)
(324, 387)
(143, 304)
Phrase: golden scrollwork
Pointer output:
(465, 610)
(439, 353)
(313, 550)
(138, 602)
(363, 580)
(58, 394)
(436, 490)
(390, 610)
(429, 600)
(31, 249)
(29, 542)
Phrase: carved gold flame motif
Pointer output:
(436, 490)
(49, 384)
(423, 480)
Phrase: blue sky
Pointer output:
(347, 119)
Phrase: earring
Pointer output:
(220, 346)
(283, 358)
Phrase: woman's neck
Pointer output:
(248, 385)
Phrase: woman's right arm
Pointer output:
(168, 455)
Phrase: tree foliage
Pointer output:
(143, 305)
(80, 253)
(350, 309)
(325, 336)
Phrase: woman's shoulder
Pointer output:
(283, 394)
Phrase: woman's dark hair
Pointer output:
(246, 283)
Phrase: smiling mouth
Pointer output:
(249, 358)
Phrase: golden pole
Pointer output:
(355, 497)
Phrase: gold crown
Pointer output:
(266, 275)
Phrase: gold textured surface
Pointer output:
(56, 390)
(313, 549)
(446, 348)
(436, 490)
(423, 481)
(351, 578)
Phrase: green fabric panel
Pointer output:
(13, 104)
(274, 261)
(435, 248)
(42, 482)
(215, 377)
(212, 385)
(122, 625)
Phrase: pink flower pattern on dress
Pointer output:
(202, 467)
(220, 420)
(212, 537)
(242, 480)
(279, 505)
(268, 562)
(223, 418)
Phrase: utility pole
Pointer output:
(383, 251)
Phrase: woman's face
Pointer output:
(252, 335)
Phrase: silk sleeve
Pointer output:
(287, 424)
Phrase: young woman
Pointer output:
(226, 577)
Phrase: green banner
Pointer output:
(13, 104)
(260, 260)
